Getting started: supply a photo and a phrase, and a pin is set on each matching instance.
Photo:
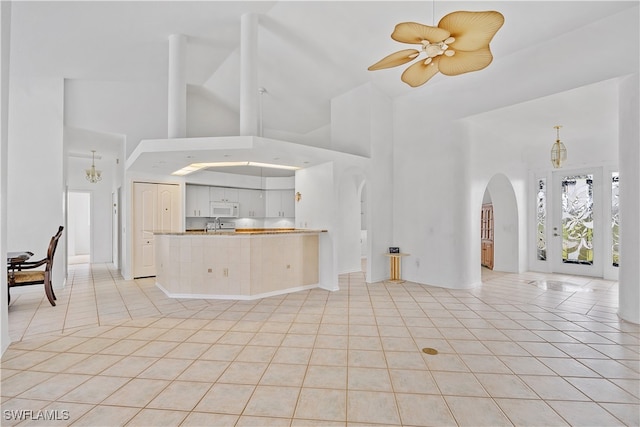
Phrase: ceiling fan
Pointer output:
(458, 45)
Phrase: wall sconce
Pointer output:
(298, 196)
(558, 150)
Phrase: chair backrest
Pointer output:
(53, 244)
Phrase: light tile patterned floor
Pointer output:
(527, 349)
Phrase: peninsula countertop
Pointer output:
(241, 232)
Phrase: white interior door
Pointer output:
(145, 200)
(578, 228)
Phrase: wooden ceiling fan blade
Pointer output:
(472, 30)
(419, 73)
(414, 33)
(464, 62)
(395, 59)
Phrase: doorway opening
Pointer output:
(79, 228)
(363, 227)
(504, 232)
(486, 231)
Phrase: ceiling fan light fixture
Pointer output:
(460, 44)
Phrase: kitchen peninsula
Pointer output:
(241, 264)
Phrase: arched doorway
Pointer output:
(506, 252)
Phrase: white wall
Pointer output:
(361, 123)
(36, 165)
(442, 167)
(5, 35)
(629, 285)
(318, 210)
(115, 107)
(349, 228)
(79, 223)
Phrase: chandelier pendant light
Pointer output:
(459, 44)
(93, 175)
(558, 150)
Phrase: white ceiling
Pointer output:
(309, 52)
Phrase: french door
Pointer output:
(577, 227)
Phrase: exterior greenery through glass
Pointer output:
(541, 219)
(577, 219)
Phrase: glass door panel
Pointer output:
(576, 223)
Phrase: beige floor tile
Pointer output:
(326, 377)
(284, 375)
(366, 358)
(629, 414)
(225, 398)
(243, 373)
(369, 379)
(166, 369)
(107, 416)
(204, 371)
(188, 350)
(527, 412)
(329, 357)
(505, 385)
(199, 419)
(476, 411)
(292, 355)
(155, 349)
(412, 381)
(584, 413)
(129, 366)
(603, 390)
(372, 407)
(424, 410)
(28, 359)
(136, 393)
(60, 362)
(322, 404)
(253, 421)
(553, 388)
(157, 417)
(180, 395)
(458, 384)
(272, 401)
(253, 353)
(21, 382)
(222, 352)
(94, 390)
(54, 387)
(94, 364)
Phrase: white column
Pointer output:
(629, 158)
(249, 75)
(177, 102)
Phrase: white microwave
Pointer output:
(224, 210)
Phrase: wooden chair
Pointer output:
(24, 273)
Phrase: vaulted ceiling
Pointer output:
(309, 52)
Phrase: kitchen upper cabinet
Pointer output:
(280, 203)
(252, 204)
(197, 203)
(222, 194)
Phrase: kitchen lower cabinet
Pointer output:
(237, 265)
